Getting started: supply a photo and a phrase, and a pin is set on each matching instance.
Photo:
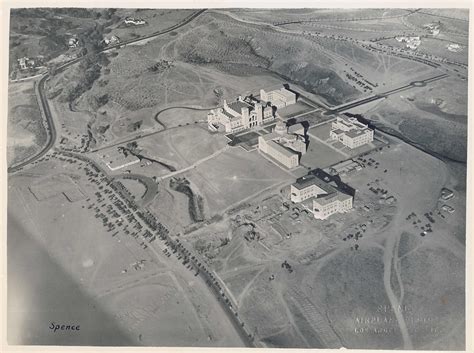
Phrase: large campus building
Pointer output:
(279, 98)
(284, 144)
(320, 196)
(248, 112)
(351, 132)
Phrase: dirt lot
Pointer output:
(233, 176)
(111, 266)
(395, 259)
(433, 117)
(26, 134)
(319, 251)
(321, 153)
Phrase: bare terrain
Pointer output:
(194, 241)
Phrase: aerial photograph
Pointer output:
(237, 177)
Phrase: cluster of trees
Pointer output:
(134, 126)
(88, 71)
(195, 203)
(95, 102)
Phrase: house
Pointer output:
(73, 42)
(454, 47)
(432, 28)
(26, 63)
(134, 21)
(23, 62)
(112, 40)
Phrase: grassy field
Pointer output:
(157, 20)
(243, 43)
(318, 15)
(233, 176)
(182, 146)
(320, 155)
(136, 188)
(26, 133)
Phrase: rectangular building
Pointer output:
(239, 115)
(350, 132)
(283, 146)
(320, 197)
(279, 98)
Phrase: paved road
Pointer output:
(50, 129)
(355, 19)
(151, 187)
(178, 107)
(195, 164)
(375, 97)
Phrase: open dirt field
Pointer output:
(26, 133)
(373, 278)
(432, 117)
(387, 274)
(233, 176)
(110, 265)
(320, 152)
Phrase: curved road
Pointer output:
(50, 129)
(151, 188)
(179, 107)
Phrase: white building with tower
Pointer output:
(284, 144)
(249, 112)
(241, 114)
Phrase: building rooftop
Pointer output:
(338, 131)
(344, 122)
(326, 199)
(355, 133)
(295, 128)
(288, 94)
(308, 180)
(270, 136)
(238, 105)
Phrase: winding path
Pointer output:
(178, 107)
(44, 105)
